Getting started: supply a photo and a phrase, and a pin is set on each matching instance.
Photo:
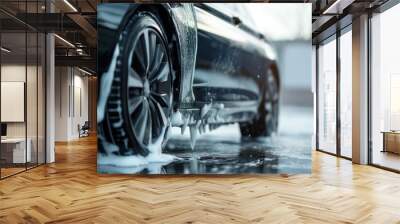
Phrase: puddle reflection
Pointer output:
(223, 151)
(222, 156)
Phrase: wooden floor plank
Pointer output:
(70, 191)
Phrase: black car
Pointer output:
(186, 65)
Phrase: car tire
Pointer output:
(266, 121)
(141, 99)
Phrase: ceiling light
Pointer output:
(337, 7)
(65, 41)
(79, 51)
(70, 5)
(84, 71)
(5, 50)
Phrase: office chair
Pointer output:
(84, 130)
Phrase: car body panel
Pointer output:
(229, 63)
(221, 63)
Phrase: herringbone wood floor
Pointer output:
(70, 191)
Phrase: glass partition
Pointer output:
(385, 89)
(327, 96)
(346, 93)
(13, 94)
(22, 78)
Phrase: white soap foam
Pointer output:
(205, 109)
(155, 156)
(176, 118)
(121, 161)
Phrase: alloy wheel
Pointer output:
(149, 87)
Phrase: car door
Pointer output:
(230, 60)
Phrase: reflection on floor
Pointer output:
(225, 152)
(10, 171)
(387, 159)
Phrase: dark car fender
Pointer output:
(112, 18)
(184, 19)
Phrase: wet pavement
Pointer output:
(224, 151)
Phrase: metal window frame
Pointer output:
(387, 5)
(339, 32)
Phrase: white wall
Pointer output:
(71, 94)
(62, 82)
(79, 117)
(33, 126)
(12, 73)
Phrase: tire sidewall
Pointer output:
(132, 31)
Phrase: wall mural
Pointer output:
(204, 88)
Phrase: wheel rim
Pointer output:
(271, 95)
(149, 87)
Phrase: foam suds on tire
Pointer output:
(155, 155)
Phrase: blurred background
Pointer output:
(288, 27)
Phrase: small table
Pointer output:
(391, 141)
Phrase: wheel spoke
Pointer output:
(134, 103)
(161, 99)
(148, 134)
(141, 120)
(161, 114)
(139, 53)
(158, 58)
(273, 89)
(146, 48)
(152, 49)
(134, 79)
(162, 73)
(156, 129)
